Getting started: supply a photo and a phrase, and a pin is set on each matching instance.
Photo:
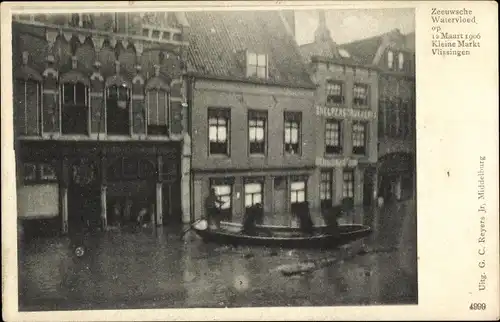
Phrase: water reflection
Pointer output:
(155, 268)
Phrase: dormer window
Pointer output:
(256, 65)
(401, 61)
(390, 59)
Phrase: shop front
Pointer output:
(273, 194)
(105, 185)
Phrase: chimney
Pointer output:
(322, 33)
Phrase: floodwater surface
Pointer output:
(154, 268)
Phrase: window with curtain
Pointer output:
(360, 95)
(359, 137)
(257, 131)
(253, 194)
(292, 132)
(297, 192)
(348, 184)
(218, 131)
(333, 137)
(224, 191)
(325, 189)
(334, 92)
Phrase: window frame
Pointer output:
(128, 101)
(74, 104)
(401, 61)
(256, 116)
(355, 98)
(390, 59)
(157, 127)
(332, 149)
(348, 183)
(219, 114)
(296, 192)
(357, 149)
(292, 120)
(332, 82)
(253, 68)
(326, 189)
(214, 183)
(39, 97)
(260, 183)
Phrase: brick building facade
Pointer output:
(100, 118)
(346, 118)
(253, 125)
(393, 54)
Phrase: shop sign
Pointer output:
(336, 163)
(345, 112)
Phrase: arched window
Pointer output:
(158, 101)
(118, 110)
(401, 61)
(390, 59)
(75, 110)
(27, 97)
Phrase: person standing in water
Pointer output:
(212, 204)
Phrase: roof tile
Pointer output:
(219, 39)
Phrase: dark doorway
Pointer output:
(172, 203)
(84, 207)
(84, 197)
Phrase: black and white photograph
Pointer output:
(215, 158)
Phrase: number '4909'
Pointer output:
(477, 306)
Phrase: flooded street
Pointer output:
(154, 268)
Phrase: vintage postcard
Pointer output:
(275, 160)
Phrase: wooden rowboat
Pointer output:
(284, 237)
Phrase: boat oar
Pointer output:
(189, 228)
(185, 231)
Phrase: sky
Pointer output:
(348, 25)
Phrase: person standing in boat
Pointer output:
(212, 205)
(253, 215)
